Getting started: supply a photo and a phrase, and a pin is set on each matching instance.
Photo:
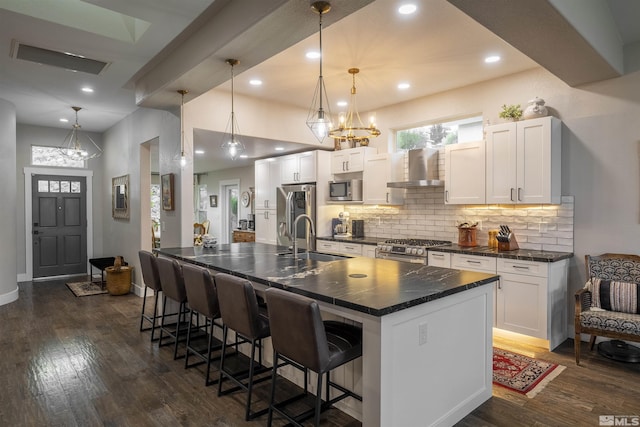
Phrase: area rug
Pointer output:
(83, 289)
(522, 374)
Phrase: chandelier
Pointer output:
(183, 157)
(231, 142)
(72, 147)
(350, 127)
(319, 117)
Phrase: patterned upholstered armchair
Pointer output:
(609, 305)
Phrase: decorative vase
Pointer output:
(535, 109)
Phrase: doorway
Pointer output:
(59, 225)
(229, 191)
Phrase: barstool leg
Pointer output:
(316, 419)
(181, 314)
(155, 314)
(144, 304)
(164, 312)
(206, 382)
(250, 385)
(186, 355)
(272, 399)
(225, 329)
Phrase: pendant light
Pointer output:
(319, 117)
(183, 158)
(231, 142)
(350, 128)
(72, 147)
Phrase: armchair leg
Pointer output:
(576, 347)
(592, 341)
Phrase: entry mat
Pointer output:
(83, 289)
(522, 374)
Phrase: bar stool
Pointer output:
(240, 312)
(299, 334)
(151, 279)
(173, 288)
(202, 298)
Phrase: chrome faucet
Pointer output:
(295, 231)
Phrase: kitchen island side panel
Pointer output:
(436, 360)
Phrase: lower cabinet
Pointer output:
(530, 298)
(439, 259)
(346, 248)
(266, 226)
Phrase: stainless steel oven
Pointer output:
(408, 250)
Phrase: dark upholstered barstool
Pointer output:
(151, 279)
(299, 334)
(202, 298)
(173, 288)
(240, 312)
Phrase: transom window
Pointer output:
(436, 135)
(51, 156)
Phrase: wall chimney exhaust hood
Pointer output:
(423, 170)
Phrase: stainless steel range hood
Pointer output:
(423, 170)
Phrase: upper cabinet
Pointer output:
(298, 168)
(350, 160)
(267, 179)
(464, 181)
(378, 170)
(523, 162)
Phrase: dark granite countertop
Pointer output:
(521, 254)
(373, 286)
(373, 241)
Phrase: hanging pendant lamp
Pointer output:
(183, 157)
(231, 141)
(319, 117)
(73, 148)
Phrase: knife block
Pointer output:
(511, 245)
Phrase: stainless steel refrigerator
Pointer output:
(294, 200)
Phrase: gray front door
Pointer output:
(59, 225)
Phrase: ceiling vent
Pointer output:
(66, 60)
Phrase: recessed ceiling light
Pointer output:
(407, 9)
(244, 156)
(312, 54)
(279, 148)
(255, 82)
(64, 120)
(403, 86)
(87, 90)
(492, 58)
(342, 103)
(199, 151)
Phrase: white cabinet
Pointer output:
(464, 181)
(439, 259)
(267, 180)
(350, 160)
(473, 263)
(350, 248)
(523, 162)
(266, 223)
(369, 251)
(327, 246)
(378, 170)
(298, 168)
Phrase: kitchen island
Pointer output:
(427, 331)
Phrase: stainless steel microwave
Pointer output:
(345, 191)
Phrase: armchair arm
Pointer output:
(583, 301)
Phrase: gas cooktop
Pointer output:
(417, 242)
(415, 247)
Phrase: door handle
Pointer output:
(347, 164)
(519, 194)
(343, 166)
(446, 196)
(387, 197)
(36, 232)
(511, 194)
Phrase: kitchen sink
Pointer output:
(315, 256)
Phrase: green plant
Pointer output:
(513, 112)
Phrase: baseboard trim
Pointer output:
(9, 297)
(23, 277)
(139, 290)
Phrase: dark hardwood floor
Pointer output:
(68, 361)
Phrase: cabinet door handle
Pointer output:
(511, 194)
(519, 194)
(499, 284)
(347, 164)
(521, 267)
(387, 197)
(470, 261)
(446, 196)
(437, 255)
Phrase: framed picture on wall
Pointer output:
(167, 192)
(213, 201)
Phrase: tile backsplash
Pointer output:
(424, 215)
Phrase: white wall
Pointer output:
(8, 231)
